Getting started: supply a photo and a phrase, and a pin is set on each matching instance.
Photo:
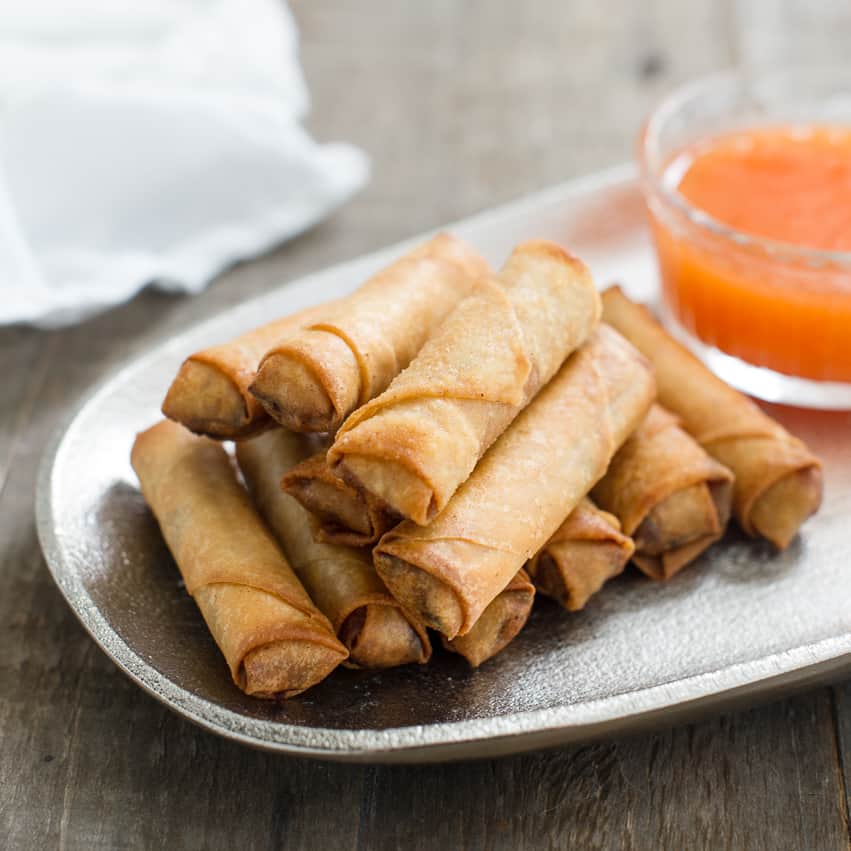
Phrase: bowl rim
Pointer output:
(652, 165)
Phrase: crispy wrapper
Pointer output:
(499, 624)
(669, 494)
(535, 474)
(586, 551)
(276, 642)
(419, 440)
(341, 580)
(352, 352)
(209, 395)
(778, 480)
(347, 514)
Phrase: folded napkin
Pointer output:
(150, 142)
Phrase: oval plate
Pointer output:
(740, 623)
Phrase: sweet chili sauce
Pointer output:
(771, 305)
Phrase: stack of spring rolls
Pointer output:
(418, 459)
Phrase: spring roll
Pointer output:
(586, 551)
(352, 352)
(341, 580)
(446, 574)
(347, 514)
(778, 481)
(499, 624)
(668, 493)
(209, 395)
(419, 440)
(275, 641)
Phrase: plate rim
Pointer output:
(479, 737)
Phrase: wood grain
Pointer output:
(719, 784)
(460, 105)
(842, 723)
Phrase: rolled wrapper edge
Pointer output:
(498, 625)
(179, 473)
(423, 565)
(729, 425)
(341, 580)
(553, 568)
(406, 427)
(396, 555)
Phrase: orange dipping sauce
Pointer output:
(786, 307)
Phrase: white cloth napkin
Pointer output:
(150, 142)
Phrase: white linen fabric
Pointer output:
(150, 142)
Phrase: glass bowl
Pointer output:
(771, 318)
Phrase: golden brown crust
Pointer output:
(730, 427)
(293, 661)
(667, 492)
(272, 650)
(347, 514)
(209, 395)
(309, 383)
(585, 552)
(273, 637)
(206, 401)
(354, 350)
(447, 573)
(784, 505)
(499, 624)
(341, 580)
(419, 440)
(379, 635)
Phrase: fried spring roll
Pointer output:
(275, 641)
(419, 440)
(668, 493)
(341, 580)
(347, 514)
(209, 395)
(778, 480)
(352, 352)
(586, 551)
(499, 624)
(447, 573)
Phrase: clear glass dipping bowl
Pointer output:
(731, 273)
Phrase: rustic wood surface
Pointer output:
(460, 105)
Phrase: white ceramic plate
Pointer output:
(740, 623)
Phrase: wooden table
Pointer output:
(461, 106)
